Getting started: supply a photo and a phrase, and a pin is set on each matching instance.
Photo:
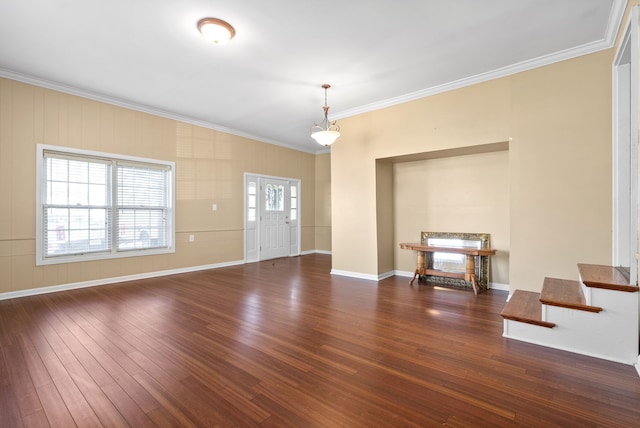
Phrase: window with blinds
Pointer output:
(76, 207)
(143, 207)
(95, 206)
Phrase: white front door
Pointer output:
(274, 222)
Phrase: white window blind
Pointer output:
(142, 206)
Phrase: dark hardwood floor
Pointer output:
(283, 343)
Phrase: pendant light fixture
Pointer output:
(327, 132)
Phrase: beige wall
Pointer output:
(468, 193)
(385, 216)
(561, 169)
(474, 115)
(558, 121)
(209, 169)
(323, 203)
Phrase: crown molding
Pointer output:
(615, 18)
(615, 21)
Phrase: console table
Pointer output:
(470, 253)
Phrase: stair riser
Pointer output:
(619, 301)
(560, 338)
(610, 333)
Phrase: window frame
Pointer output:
(114, 159)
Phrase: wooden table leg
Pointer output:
(470, 275)
(414, 277)
(420, 268)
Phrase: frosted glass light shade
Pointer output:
(216, 30)
(326, 138)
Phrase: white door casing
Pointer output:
(625, 149)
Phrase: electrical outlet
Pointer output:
(214, 207)
(192, 238)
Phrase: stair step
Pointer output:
(566, 294)
(525, 306)
(608, 277)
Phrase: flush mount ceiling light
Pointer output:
(327, 132)
(216, 30)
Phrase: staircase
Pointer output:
(596, 316)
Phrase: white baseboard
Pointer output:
(366, 276)
(403, 273)
(357, 275)
(113, 280)
(498, 286)
(382, 276)
(304, 253)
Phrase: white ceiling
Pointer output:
(266, 83)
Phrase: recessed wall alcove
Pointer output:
(464, 189)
